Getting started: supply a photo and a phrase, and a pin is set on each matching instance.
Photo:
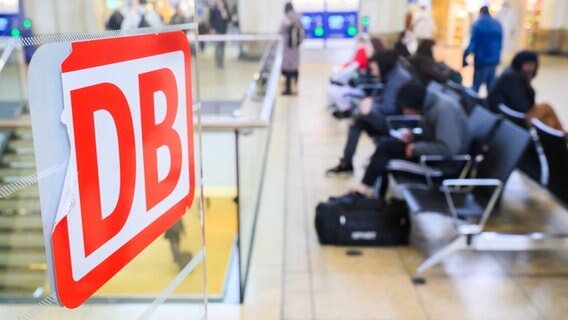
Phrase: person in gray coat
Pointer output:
(292, 30)
(444, 128)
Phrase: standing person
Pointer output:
(510, 23)
(485, 44)
(114, 22)
(293, 32)
(219, 19)
(179, 16)
(423, 24)
(141, 17)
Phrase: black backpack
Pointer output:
(296, 35)
(143, 22)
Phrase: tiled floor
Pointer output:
(292, 277)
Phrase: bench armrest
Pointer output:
(449, 185)
(426, 160)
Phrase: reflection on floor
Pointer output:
(154, 268)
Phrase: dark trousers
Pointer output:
(290, 75)
(484, 74)
(374, 124)
(387, 150)
(220, 54)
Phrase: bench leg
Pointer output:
(458, 244)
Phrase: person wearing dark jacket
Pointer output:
(400, 46)
(444, 128)
(514, 90)
(374, 110)
(426, 66)
(219, 19)
(485, 44)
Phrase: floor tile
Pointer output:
(475, 298)
(549, 294)
(378, 296)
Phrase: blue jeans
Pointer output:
(483, 74)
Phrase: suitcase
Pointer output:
(354, 220)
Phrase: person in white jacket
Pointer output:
(423, 24)
(141, 17)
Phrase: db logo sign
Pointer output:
(127, 109)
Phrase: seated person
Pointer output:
(444, 127)
(346, 81)
(428, 68)
(374, 110)
(363, 51)
(513, 89)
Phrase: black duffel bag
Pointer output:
(354, 220)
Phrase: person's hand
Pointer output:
(409, 151)
(362, 189)
(365, 106)
(406, 136)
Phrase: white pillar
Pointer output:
(261, 16)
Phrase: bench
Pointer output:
(533, 163)
(470, 202)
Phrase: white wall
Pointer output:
(261, 16)
(387, 16)
(554, 14)
(65, 16)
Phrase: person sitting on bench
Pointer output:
(444, 128)
(514, 90)
(374, 110)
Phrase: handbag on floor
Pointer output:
(354, 220)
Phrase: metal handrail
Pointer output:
(227, 123)
(11, 45)
(239, 37)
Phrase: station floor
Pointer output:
(293, 277)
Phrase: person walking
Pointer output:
(293, 32)
(219, 19)
(485, 44)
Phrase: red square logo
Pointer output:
(128, 115)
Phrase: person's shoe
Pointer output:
(341, 114)
(342, 168)
(286, 93)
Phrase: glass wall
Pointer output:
(171, 263)
(232, 105)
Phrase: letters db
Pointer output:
(127, 112)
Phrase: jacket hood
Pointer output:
(522, 57)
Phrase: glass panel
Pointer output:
(170, 269)
(239, 92)
(228, 71)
